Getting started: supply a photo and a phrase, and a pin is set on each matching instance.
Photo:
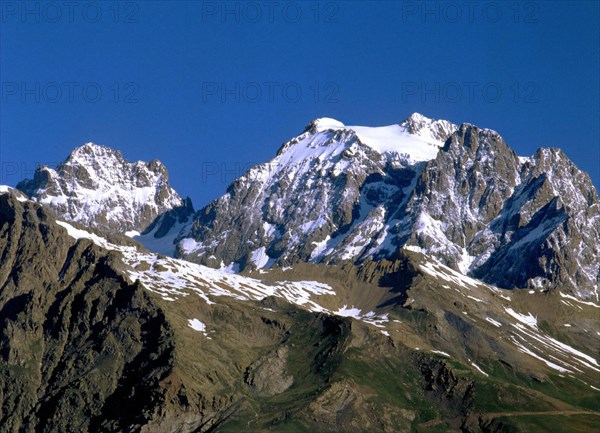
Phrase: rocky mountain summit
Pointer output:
(324, 197)
(337, 194)
(97, 187)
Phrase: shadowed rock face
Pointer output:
(81, 349)
(97, 187)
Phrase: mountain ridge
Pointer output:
(338, 193)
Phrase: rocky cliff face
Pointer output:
(97, 187)
(339, 193)
(515, 222)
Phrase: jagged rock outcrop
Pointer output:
(510, 221)
(548, 230)
(268, 376)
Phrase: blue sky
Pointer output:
(211, 88)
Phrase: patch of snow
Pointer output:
(414, 248)
(197, 325)
(325, 123)
(524, 159)
(550, 364)
(231, 268)
(396, 139)
(188, 245)
(551, 344)
(374, 320)
(348, 312)
(528, 319)
(269, 229)
(564, 295)
(466, 261)
(166, 245)
(259, 257)
(444, 272)
(319, 248)
(493, 322)
(82, 234)
(479, 369)
(5, 189)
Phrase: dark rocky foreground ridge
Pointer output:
(81, 349)
(85, 349)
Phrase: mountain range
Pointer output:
(337, 194)
(417, 277)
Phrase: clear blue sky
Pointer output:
(211, 88)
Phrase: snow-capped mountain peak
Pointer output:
(96, 186)
(93, 149)
(323, 124)
(415, 139)
(338, 193)
(311, 190)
